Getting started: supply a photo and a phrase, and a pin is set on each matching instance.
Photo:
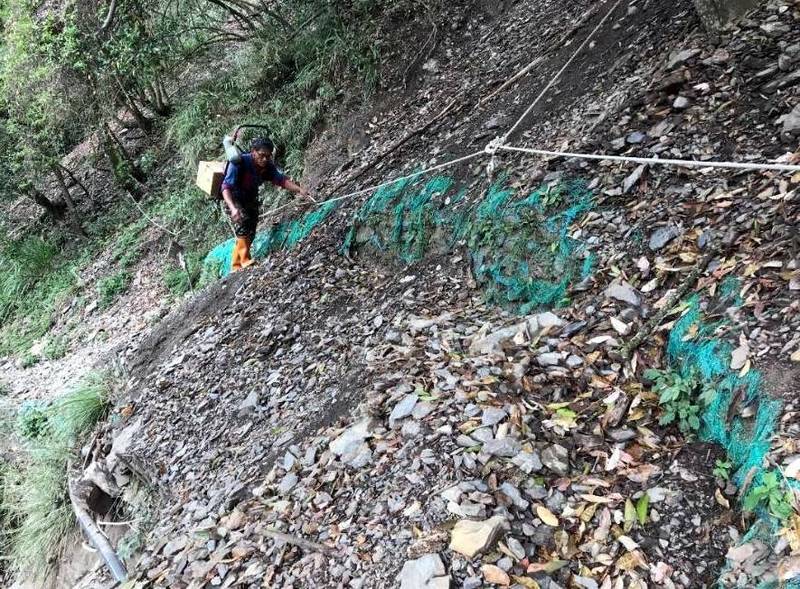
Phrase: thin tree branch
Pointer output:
(110, 16)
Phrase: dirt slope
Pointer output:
(363, 406)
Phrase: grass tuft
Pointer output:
(76, 413)
(35, 513)
(25, 263)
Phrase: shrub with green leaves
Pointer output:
(682, 397)
(110, 287)
(32, 420)
(176, 280)
(127, 244)
(29, 360)
(56, 348)
(34, 280)
(772, 496)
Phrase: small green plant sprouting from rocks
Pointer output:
(130, 544)
(29, 360)
(554, 196)
(722, 469)
(57, 347)
(32, 420)
(682, 397)
(111, 286)
(772, 496)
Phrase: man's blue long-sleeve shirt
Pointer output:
(243, 179)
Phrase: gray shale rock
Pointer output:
(505, 447)
(549, 359)
(662, 236)
(492, 416)
(471, 538)
(403, 409)
(527, 462)
(556, 458)
(351, 445)
(624, 292)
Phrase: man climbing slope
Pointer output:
(240, 191)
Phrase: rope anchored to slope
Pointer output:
(655, 161)
(499, 143)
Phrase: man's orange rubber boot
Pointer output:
(240, 249)
(245, 259)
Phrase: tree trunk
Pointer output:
(158, 98)
(129, 103)
(123, 164)
(71, 209)
(119, 166)
(109, 16)
(77, 182)
(246, 22)
(268, 9)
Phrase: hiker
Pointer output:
(240, 191)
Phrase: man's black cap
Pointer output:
(260, 143)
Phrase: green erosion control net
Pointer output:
(521, 249)
(746, 441)
(284, 235)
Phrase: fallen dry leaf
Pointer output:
(628, 542)
(789, 568)
(547, 567)
(546, 516)
(791, 532)
(721, 499)
(642, 473)
(631, 560)
(596, 499)
(630, 515)
(660, 572)
(739, 355)
(793, 469)
(526, 582)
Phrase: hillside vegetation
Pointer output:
(106, 111)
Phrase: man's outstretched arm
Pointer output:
(295, 188)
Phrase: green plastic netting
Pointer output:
(279, 236)
(521, 249)
(693, 345)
